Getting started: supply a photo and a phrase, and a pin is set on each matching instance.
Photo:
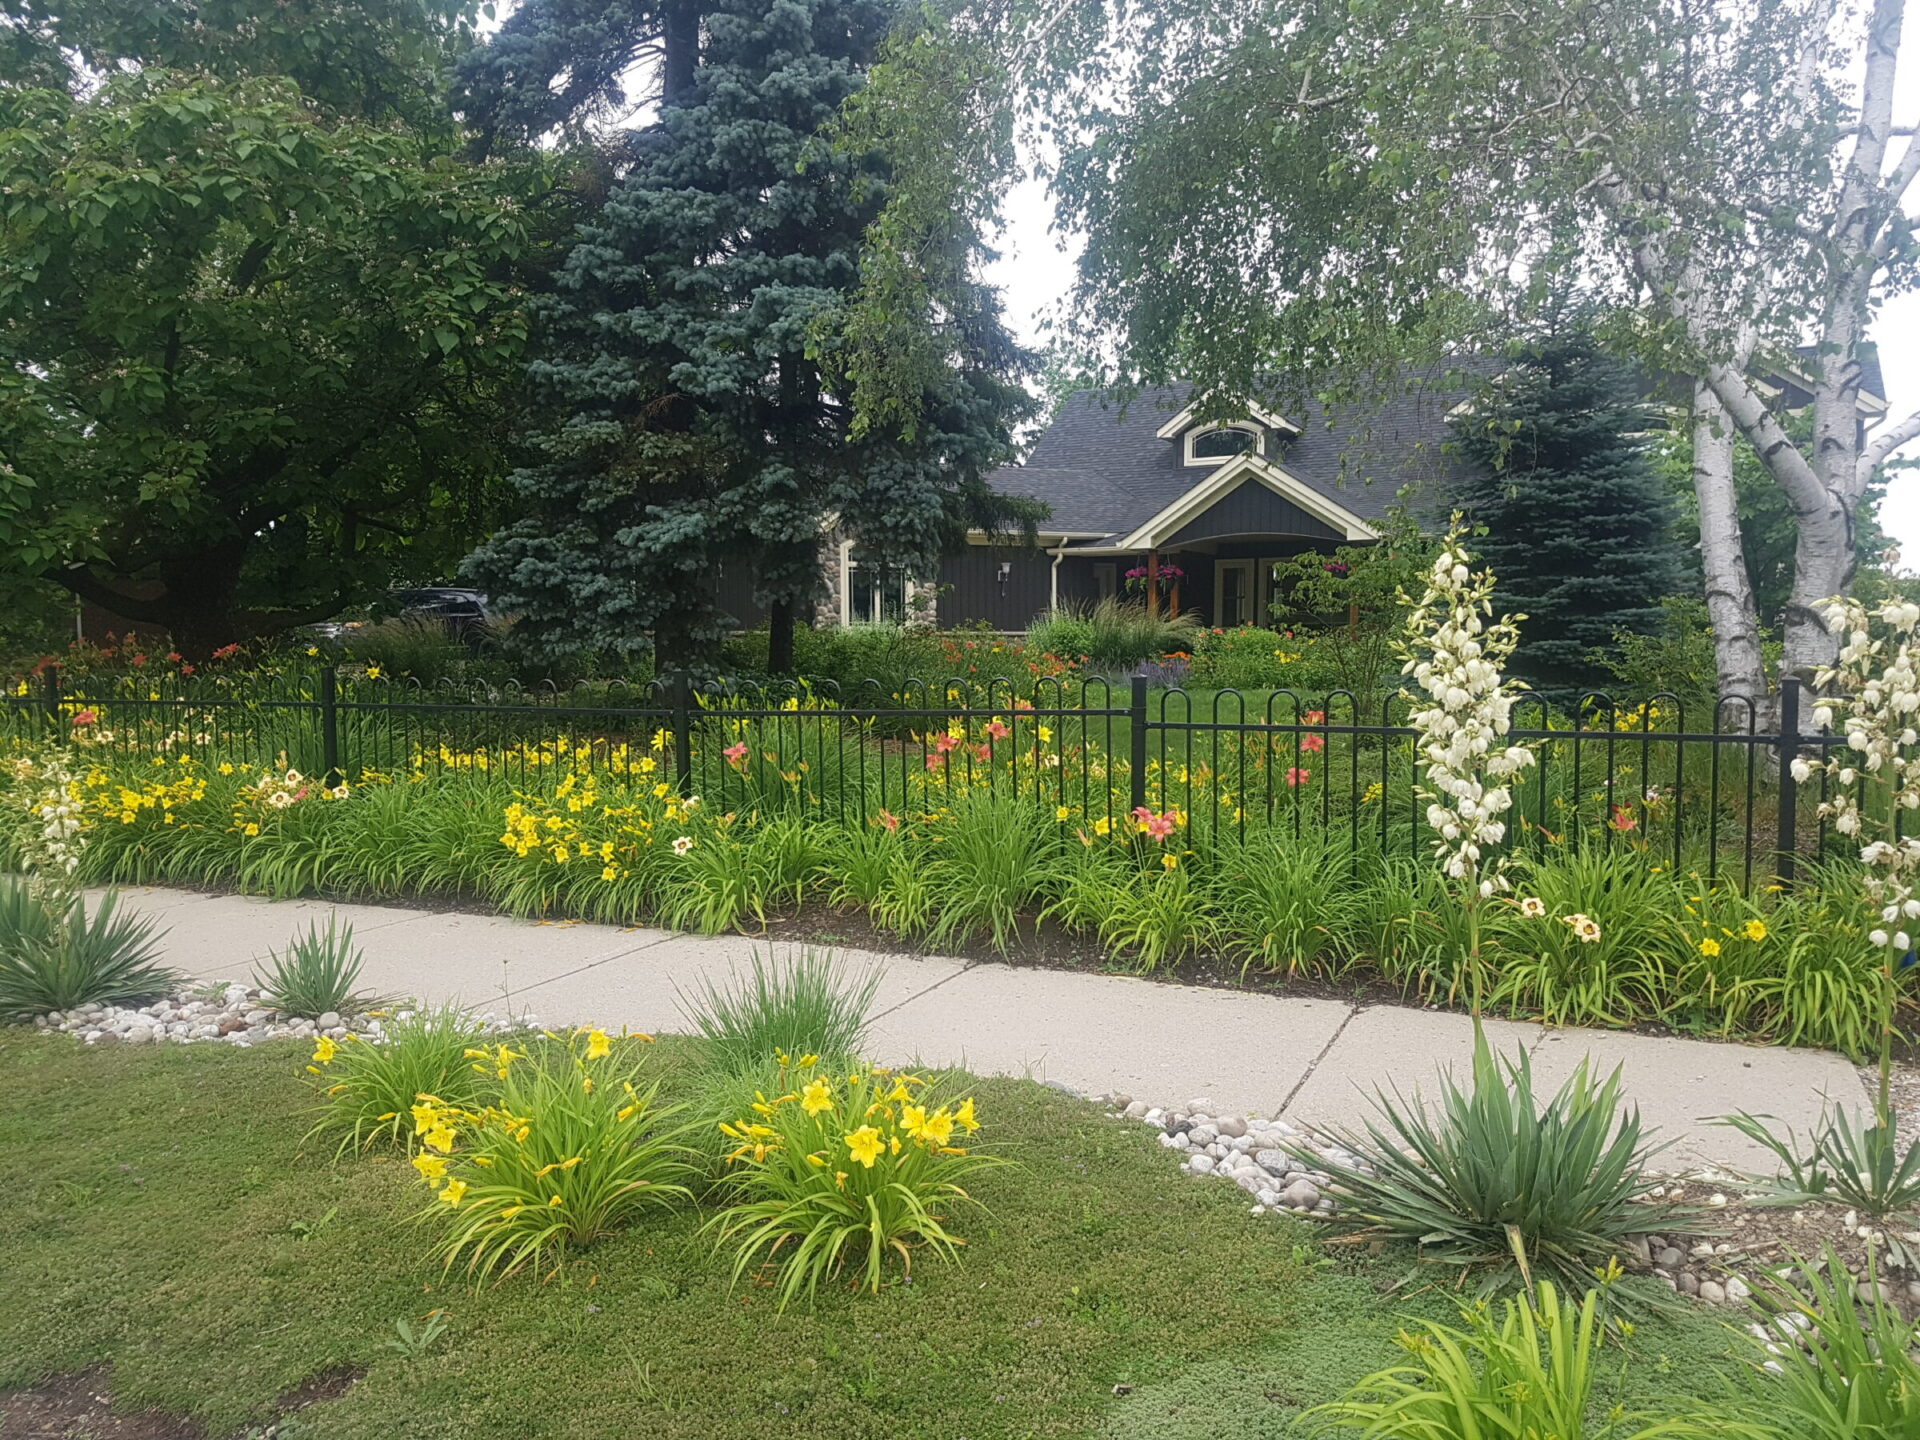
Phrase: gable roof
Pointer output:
(1104, 470)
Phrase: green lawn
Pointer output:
(162, 1214)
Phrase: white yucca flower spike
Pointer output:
(1871, 689)
(1453, 649)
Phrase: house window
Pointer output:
(1106, 581)
(876, 592)
(1209, 447)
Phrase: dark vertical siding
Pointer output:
(1250, 508)
(971, 590)
(1078, 586)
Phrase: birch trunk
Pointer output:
(1739, 668)
(1823, 567)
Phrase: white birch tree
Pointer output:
(1323, 190)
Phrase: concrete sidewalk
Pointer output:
(1312, 1060)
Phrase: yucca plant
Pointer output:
(805, 1004)
(368, 1087)
(315, 974)
(1857, 1163)
(1491, 1182)
(840, 1172)
(1525, 1372)
(50, 961)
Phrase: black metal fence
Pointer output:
(1717, 796)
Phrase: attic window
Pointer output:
(1207, 447)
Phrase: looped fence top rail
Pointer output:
(1708, 790)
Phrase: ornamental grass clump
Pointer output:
(368, 1086)
(805, 1004)
(572, 1149)
(839, 1171)
(1489, 1181)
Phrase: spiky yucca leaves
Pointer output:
(1490, 1182)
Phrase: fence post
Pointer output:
(50, 699)
(330, 725)
(683, 731)
(1788, 841)
(1137, 735)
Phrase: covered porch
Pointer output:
(1212, 553)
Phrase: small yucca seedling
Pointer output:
(315, 974)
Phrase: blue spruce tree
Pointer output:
(686, 352)
(1578, 517)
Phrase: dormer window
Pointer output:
(1209, 445)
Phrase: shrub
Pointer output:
(48, 963)
(410, 647)
(571, 1151)
(1248, 658)
(868, 666)
(1490, 1181)
(368, 1087)
(838, 1172)
(314, 975)
(1831, 1365)
(1530, 1373)
(805, 1004)
(1113, 634)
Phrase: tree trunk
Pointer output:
(780, 638)
(1823, 567)
(1739, 668)
(680, 50)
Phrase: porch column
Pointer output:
(1153, 582)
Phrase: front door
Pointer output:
(1233, 592)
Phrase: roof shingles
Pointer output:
(1102, 469)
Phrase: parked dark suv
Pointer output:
(460, 611)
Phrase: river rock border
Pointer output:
(1269, 1158)
(233, 1014)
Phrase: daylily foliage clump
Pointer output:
(838, 1172)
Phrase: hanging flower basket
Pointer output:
(1170, 575)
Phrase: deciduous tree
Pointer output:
(1322, 190)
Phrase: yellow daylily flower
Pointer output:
(863, 1145)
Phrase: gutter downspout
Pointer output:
(1053, 578)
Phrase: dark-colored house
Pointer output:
(1152, 488)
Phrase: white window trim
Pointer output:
(1187, 442)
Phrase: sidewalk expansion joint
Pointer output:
(1314, 1064)
(921, 994)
